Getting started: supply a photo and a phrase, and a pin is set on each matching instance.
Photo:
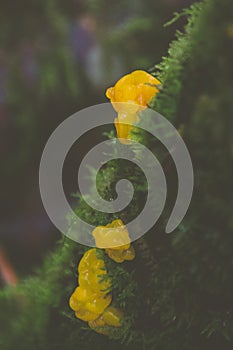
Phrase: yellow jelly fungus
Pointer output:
(87, 260)
(99, 326)
(115, 239)
(114, 235)
(124, 125)
(85, 315)
(87, 305)
(137, 87)
(92, 297)
(120, 256)
(80, 310)
(91, 272)
(111, 317)
(135, 90)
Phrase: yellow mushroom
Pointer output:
(131, 94)
(116, 240)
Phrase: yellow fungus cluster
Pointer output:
(115, 239)
(135, 90)
(91, 299)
